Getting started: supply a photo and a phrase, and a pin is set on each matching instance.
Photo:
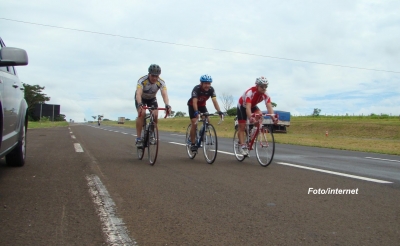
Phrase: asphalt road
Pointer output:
(83, 185)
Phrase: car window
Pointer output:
(2, 68)
(11, 70)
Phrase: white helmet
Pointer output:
(262, 81)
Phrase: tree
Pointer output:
(171, 114)
(316, 112)
(33, 96)
(180, 114)
(232, 112)
(227, 101)
(274, 104)
(60, 117)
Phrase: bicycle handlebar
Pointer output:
(154, 108)
(208, 114)
(273, 116)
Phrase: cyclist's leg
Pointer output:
(139, 122)
(242, 119)
(202, 109)
(153, 103)
(256, 110)
(193, 124)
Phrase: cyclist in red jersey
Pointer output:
(248, 104)
(197, 104)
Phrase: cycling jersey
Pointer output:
(149, 89)
(253, 97)
(201, 95)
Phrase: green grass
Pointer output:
(358, 133)
(46, 124)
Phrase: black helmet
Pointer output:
(154, 69)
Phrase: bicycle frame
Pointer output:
(206, 137)
(251, 139)
(206, 122)
(152, 130)
(260, 139)
(200, 133)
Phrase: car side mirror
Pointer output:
(13, 57)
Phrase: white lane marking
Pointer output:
(223, 152)
(113, 227)
(72, 136)
(124, 133)
(219, 151)
(336, 173)
(178, 143)
(316, 169)
(381, 159)
(78, 147)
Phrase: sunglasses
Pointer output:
(263, 86)
(152, 75)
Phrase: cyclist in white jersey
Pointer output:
(145, 95)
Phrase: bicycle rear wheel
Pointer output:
(210, 144)
(189, 143)
(140, 151)
(265, 146)
(152, 143)
(236, 146)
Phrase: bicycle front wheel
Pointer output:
(188, 143)
(265, 146)
(237, 147)
(153, 143)
(210, 144)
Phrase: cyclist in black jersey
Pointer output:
(145, 95)
(197, 104)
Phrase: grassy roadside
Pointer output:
(46, 124)
(347, 133)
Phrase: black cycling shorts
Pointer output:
(241, 113)
(202, 109)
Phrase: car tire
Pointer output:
(16, 158)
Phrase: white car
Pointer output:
(13, 114)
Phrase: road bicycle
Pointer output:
(206, 138)
(150, 136)
(260, 136)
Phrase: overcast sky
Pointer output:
(339, 56)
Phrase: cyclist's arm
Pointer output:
(139, 92)
(269, 108)
(216, 105)
(248, 110)
(194, 103)
(164, 95)
(271, 111)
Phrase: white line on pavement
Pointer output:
(113, 227)
(78, 147)
(381, 159)
(335, 173)
(316, 169)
